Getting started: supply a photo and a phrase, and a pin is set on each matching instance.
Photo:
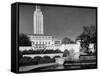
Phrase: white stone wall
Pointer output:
(91, 48)
(42, 55)
(23, 48)
(75, 47)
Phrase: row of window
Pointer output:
(42, 37)
(41, 42)
(39, 46)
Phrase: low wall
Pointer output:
(42, 55)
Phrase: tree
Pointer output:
(47, 57)
(67, 40)
(66, 53)
(37, 57)
(89, 33)
(24, 40)
(88, 36)
(84, 40)
(71, 54)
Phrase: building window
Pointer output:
(40, 43)
(48, 42)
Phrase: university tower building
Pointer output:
(38, 38)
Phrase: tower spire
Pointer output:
(37, 8)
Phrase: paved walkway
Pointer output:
(80, 63)
(27, 68)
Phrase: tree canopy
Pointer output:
(67, 40)
(88, 35)
(24, 40)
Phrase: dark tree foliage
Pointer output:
(88, 36)
(37, 58)
(85, 40)
(47, 57)
(20, 55)
(67, 40)
(66, 53)
(24, 40)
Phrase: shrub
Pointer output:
(25, 61)
(52, 60)
(25, 52)
(24, 40)
(66, 53)
(37, 57)
(47, 57)
(42, 61)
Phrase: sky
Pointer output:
(59, 21)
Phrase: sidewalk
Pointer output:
(27, 68)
